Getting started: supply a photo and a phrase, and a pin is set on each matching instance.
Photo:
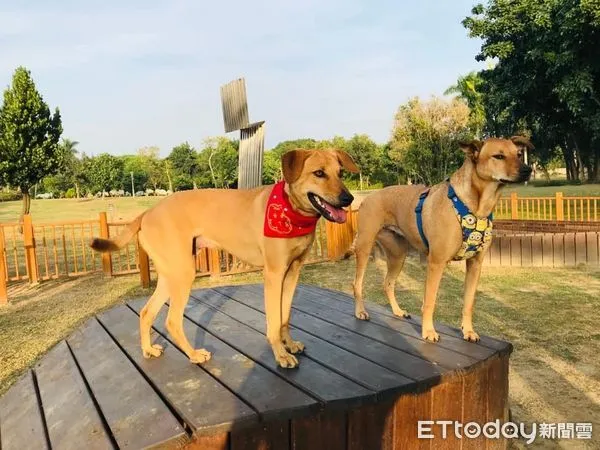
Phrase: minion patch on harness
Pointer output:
(476, 231)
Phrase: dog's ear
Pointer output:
(522, 142)
(346, 161)
(292, 163)
(471, 148)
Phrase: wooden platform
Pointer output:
(360, 385)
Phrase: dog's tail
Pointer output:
(377, 252)
(117, 243)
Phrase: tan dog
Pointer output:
(388, 217)
(233, 220)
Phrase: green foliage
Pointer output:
(105, 172)
(134, 164)
(469, 89)
(185, 165)
(153, 167)
(29, 135)
(547, 78)
(70, 193)
(218, 163)
(425, 138)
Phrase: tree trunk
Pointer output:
(77, 190)
(26, 207)
(212, 172)
(361, 181)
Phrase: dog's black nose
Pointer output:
(346, 198)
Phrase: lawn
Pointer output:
(123, 208)
(549, 315)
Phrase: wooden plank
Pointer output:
(408, 344)
(136, 415)
(21, 421)
(497, 396)
(205, 405)
(345, 303)
(361, 370)
(311, 303)
(400, 362)
(409, 410)
(504, 250)
(580, 249)
(322, 431)
(474, 405)
(559, 250)
(526, 251)
(322, 383)
(71, 415)
(592, 241)
(270, 436)
(371, 427)
(569, 249)
(537, 259)
(270, 395)
(548, 250)
(495, 251)
(447, 404)
(209, 442)
(515, 251)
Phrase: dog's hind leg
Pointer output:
(180, 285)
(471, 280)
(147, 316)
(396, 249)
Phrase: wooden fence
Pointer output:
(559, 207)
(46, 251)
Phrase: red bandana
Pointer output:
(281, 220)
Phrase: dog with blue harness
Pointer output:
(450, 221)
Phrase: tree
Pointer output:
(29, 136)
(134, 165)
(105, 172)
(426, 135)
(219, 158)
(184, 165)
(154, 168)
(469, 89)
(547, 76)
(365, 154)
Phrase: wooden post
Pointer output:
(104, 234)
(514, 206)
(30, 256)
(144, 264)
(214, 262)
(560, 213)
(3, 280)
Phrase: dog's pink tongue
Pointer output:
(337, 214)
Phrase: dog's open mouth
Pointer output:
(327, 210)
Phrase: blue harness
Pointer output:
(477, 232)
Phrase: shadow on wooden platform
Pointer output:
(360, 385)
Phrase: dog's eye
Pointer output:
(319, 173)
(499, 156)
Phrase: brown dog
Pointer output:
(388, 217)
(235, 221)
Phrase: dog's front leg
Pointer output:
(474, 265)
(432, 284)
(289, 287)
(273, 308)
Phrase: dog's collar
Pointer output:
(282, 220)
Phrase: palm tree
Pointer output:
(468, 88)
(71, 164)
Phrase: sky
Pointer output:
(138, 73)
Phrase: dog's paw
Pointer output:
(154, 351)
(362, 315)
(430, 335)
(200, 356)
(286, 360)
(294, 346)
(401, 313)
(470, 336)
